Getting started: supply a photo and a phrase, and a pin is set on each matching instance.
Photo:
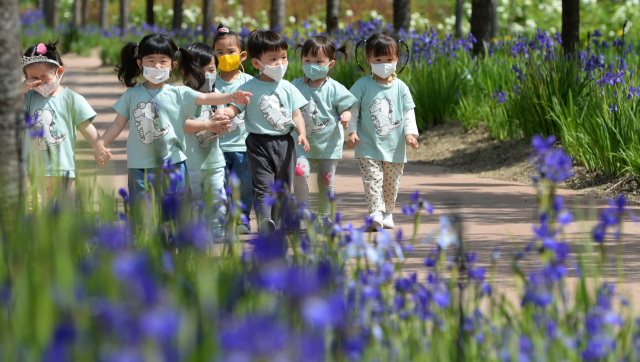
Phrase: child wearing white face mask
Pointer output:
(53, 114)
(159, 112)
(270, 119)
(383, 121)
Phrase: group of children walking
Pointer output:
(265, 130)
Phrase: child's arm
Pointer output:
(231, 111)
(352, 128)
(345, 117)
(30, 83)
(216, 124)
(89, 132)
(216, 99)
(102, 153)
(302, 131)
(411, 128)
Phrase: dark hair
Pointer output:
(52, 53)
(128, 69)
(383, 43)
(321, 44)
(202, 55)
(263, 41)
(222, 35)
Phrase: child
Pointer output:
(160, 111)
(205, 162)
(384, 102)
(55, 113)
(324, 118)
(230, 49)
(270, 120)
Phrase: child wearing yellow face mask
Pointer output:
(230, 50)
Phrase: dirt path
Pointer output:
(495, 214)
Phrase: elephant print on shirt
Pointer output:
(310, 115)
(274, 112)
(381, 115)
(206, 137)
(45, 118)
(147, 123)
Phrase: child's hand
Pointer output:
(345, 117)
(412, 141)
(219, 124)
(302, 140)
(353, 139)
(30, 83)
(241, 97)
(102, 155)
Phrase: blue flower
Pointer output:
(160, 324)
(477, 273)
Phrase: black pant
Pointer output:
(271, 158)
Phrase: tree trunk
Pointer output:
(207, 23)
(41, 6)
(459, 18)
(104, 14)
(177, 14)
(402, 14)
(85, 13)
(150, 17)
(124, 15)
(51, 13)
(11, 116)
(277, 15)
(511, 7)
(333, 15)
(570, 25)
(480, 22)
(77, 12)
(494, 19)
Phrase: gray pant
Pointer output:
(271, 158)
(326, 170)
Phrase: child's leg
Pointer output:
(195, 184)
(372, 178)
(213, 186)
(284, 158)
(241, 167)
(262, 173)
(326, 175)
(136, 181)
(300, 181)
(391, 184)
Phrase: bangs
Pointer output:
(381, 48)
(261, 42)
(157, 44)
(318, 45)
(203, 54)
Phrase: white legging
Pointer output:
(326, 170)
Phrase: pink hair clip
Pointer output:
(223, 30)
(41, 49)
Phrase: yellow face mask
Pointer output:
(229, 62)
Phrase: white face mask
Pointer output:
(46, 89)
(209, 80)
(383, 70)
(274, 72)
(154, 75)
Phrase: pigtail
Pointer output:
(408, 53)
(357, 62)
(344, 49)
(128, 69)
(296, 47)
(190, 69)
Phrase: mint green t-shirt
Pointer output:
(324, 131)
(203, 148)
(380, 124)
(58, 116)
(157, 119)
(234, 140)
(271, 107)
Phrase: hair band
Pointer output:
(223, 30)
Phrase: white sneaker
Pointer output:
(376, 220)
(387, 221)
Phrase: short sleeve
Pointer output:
(123, 105)
(188, 107)
(357, 93)
(241, 107)
(297, 99)
(343, 99)
(407, 99)
(26, 103)
(82, 111)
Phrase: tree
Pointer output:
(124, 15)
(277, 15)
(104, 14)
(333, 14)
(459, 17)
(51, 17)
(11, 115)
(494, 19)
(480, 22)
(402, 14)
(207, 16)
(77, 12)
(570, 25)
(177, 14)
(150, 17)
(85, 13)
